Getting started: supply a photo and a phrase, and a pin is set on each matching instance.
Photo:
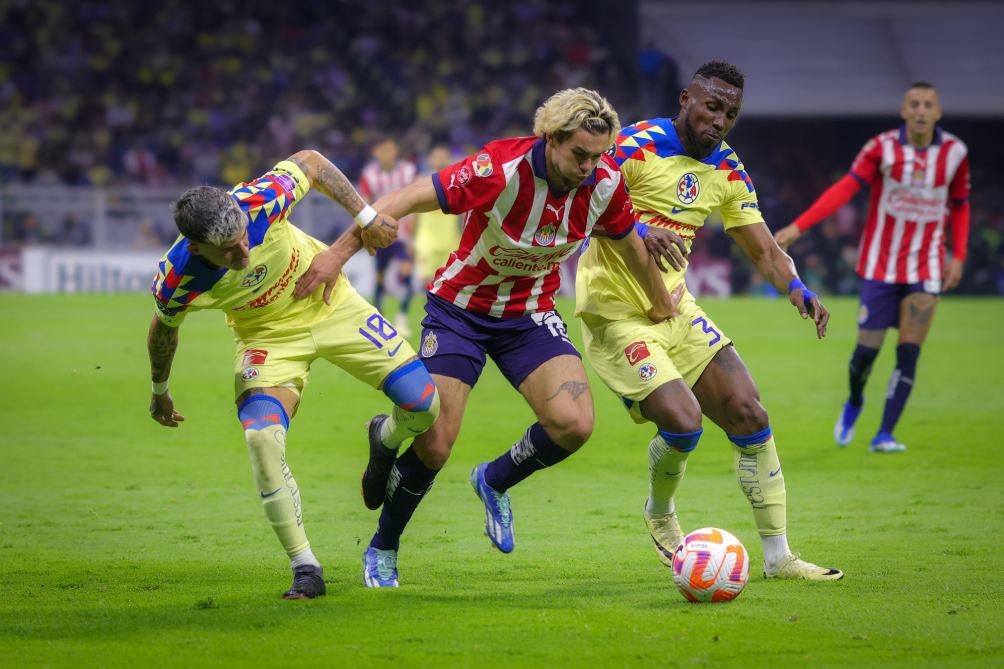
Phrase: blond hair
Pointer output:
(566, 111)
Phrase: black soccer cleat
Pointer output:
(374, 483)
(308, 582)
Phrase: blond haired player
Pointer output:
(678, 171)
(240, 253)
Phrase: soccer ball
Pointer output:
(711, 565)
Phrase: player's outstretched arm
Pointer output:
(832, 199)
(642, 265)
(161, 343)
(415, 198)
(777, 267)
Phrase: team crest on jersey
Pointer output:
(545, 236)
(430, 344)
(483, 165)
(464, 175)
(647, 372)
(254, 356)
(249, 373)
(688, 188)
(254, 277)
(635, 352)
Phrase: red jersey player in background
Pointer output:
(919, 178)
(386, 173)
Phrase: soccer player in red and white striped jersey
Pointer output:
(919, 179)
(529, 203)
(386, 174)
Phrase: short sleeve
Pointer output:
(270, 198)
(866, 167)
(472, 183)
(618, 218)
(740, 206)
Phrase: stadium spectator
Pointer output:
(529, 203)
(919, 176)
(240, 253)
(436, 233)
(679, 170)
(387, 173)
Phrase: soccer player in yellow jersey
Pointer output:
(240, 253)
(678, 171)
(436, 233)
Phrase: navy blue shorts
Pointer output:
(455, 342)
(880, 302)
(397, 250)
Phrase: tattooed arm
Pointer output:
(161, 343)
(325, 267)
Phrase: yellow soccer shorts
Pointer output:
(634, 356)
(352, 334)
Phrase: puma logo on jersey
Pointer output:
(556, 210)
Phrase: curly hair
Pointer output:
(719, 69)
(208, 215)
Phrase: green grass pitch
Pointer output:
(123, 543)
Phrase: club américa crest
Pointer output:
(688, 188)
(647, 372)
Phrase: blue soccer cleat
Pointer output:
(843, 431)
(498, 512)
(886, 443)
(380, 568)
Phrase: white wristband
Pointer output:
(365, 217)
(160, 387)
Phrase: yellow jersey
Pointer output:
(670, 190)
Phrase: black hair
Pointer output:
(921, 84)
(719, 69)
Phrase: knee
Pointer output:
(747, 415)
(411, 388)
(679, 418)
(265, 422)
(570, 430)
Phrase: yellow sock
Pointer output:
(279, 493)
(666, 467)
(759, 472)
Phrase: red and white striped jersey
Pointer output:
(517, 230)
(904, 236)
(376, 182)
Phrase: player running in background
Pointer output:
(436, 233)
(239, 252)
(919, 178)
(529, 203)
(385, 174)
(679, 171)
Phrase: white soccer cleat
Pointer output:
(886, 443)
(666, 535)
(794, 568)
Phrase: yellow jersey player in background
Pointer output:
(436, 233)
(679, 171)
(238, 252)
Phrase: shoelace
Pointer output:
(386, 564)
(502, 502)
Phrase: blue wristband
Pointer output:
(807, 294)
(641, 229)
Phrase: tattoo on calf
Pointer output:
(574, 388)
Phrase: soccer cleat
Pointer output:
(374, 483)
(843, 431)
(380, 568)
(498, 512)
(666, 535)
(308, 582)
(885, 443)
(793, 568)
(401, 325)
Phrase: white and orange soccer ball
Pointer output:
(711, 565)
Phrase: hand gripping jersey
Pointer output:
(260, 296)
(516, 229)
(670, 190)
(903, 240)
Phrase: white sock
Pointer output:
(302, 558)
(775, 548)
(655, 509)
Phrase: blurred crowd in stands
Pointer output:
(165, 95)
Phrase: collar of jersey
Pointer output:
(934, 142)
(672, 145)
(539, 165)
